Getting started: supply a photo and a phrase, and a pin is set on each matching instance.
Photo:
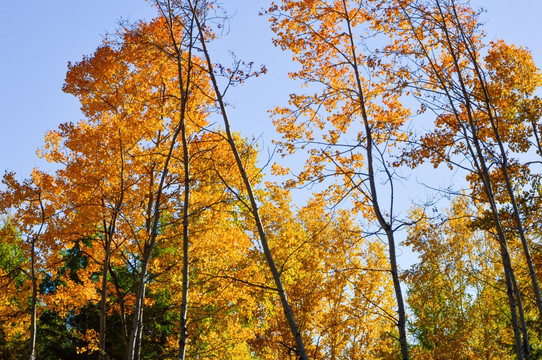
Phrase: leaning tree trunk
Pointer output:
(504, 168)
(373, 197)
(474, 150)
(300, 347)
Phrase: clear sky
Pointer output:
(40, 37)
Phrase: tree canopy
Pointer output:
(161, 233)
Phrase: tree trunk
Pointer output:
(33, 314)
(384, 224)
(135, 337)
(183, 88)
(120, 296)
(477, 156)
(504, 168)
(103, 301)
(185, 276)
(300, 347)
(108, 235)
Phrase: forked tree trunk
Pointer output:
(137, 328)
(183, 88)
(109, 232)
(474, 150)
(373, 196)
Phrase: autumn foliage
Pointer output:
(160, 234)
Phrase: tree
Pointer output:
(335, 280)
(32, 202)
(442, 42)
(156, 237)
(349, 84)
(185, 85)
(129, 96)
(199, 11)
(454, 290)
(128, 93)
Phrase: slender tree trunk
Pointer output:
(401, 322)
(504, 169)
(108, 235)
(33, 314)
(511, 301)
(510, 278)
(483, 172)
(521, 313)
(135, 337)
(300, 347)
(185, 275)
(478, 158)
(183, 88)
(384, 224)
(133, 345)
(103, 300)
(184, 301)
(481, 168)
(137, 354)
(521, 231)
(120, 296)
(33, 309)
(511, 285)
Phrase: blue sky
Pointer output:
(40, 37)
